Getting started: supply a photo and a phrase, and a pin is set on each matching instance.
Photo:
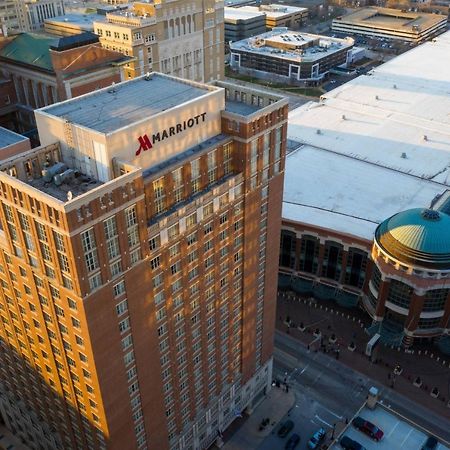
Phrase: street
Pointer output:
(328, 393)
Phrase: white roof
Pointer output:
(374, 146)
(348, 195)
(274, 10)
(240, 14)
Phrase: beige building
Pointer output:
(181, 38)
(280, 15)
(8, 16)
(410, 26)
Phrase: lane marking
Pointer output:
(407, 436)
(396, 425)
(331, 412)
(323, 421)
(304, 369)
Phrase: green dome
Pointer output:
(418, 237)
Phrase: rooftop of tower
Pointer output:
(110, 109)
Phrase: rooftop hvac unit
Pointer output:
(50, 172)
(64, 177)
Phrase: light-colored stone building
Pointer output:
(181, 38)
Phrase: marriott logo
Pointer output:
(146, 142)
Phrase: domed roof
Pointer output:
(417, 236)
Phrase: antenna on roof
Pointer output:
(147, 77)
(69, 196)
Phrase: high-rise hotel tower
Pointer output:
(138, 264)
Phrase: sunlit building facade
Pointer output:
(139, 252)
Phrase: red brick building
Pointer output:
(139, 257)
(45, 69)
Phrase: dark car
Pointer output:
(350, 444)
(316, 438)
(430, 444)
(285, 428)
(292, 442)
(368, 428)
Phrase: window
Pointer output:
(76, 322)
(116, 268)
(128, 358)
(127, 342)
(191, 220)
(112, 239)
(121, 307)
(435, 300)
(95, 281)
(90, 249)
(175, 268)
(154, 242)
(212, 166)
(124, 325)
(159, 195)
(155, 262)
(208, 210)
(174, 250)
(161, 314)
(119, 288)
(173, 231)
(158, 280)
(400, 293)
(191, 239)
(195, 176)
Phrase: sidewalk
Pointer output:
(348, 326)
(275, 406)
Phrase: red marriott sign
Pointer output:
(146, 142)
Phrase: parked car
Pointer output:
(349, 444)
(430, 444)
(292, 442)
(368, 428)
(316, 438)
(285, 428)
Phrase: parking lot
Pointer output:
(398, 434)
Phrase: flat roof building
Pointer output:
(281, 15)
(12, 143)
(71, 23)
(144, 236)
(373, 158)
(240, 24)
(182, 38)
(414, 27)
(288, 56)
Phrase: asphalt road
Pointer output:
(328, 392)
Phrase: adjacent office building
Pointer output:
(409, 26)
(247, 21)
(180, 38)
(366, 222)
(291, 57)
(138, 264)
(71, 23)
(32, 13)
(240, 24)
(292, 17)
